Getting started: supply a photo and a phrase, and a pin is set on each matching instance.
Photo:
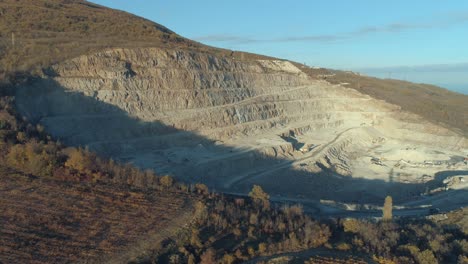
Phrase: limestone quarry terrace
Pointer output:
(232, 123)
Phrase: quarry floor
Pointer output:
(418, 176)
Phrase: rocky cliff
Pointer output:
(231, 123)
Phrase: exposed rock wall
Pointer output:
(218, 97)
(209, 118)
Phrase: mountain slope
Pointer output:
(431, 102)
(226, 118)
(49, 31)
(170, 104)
(188, 114)
(36, 33)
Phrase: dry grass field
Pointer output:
(49, 221)
(37, 33)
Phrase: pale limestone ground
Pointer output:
(232, 124)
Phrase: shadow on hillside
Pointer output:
(82, 120)
(442, 175)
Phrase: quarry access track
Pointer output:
(314, 153)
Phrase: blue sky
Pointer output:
(422, 41)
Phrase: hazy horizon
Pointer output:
(429, 74)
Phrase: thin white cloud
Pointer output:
(225, 38)
(447, 20)
(438, 68)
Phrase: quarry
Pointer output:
(232, 123)
(122, 141)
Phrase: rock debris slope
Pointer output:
(231, 123)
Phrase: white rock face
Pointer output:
(233, 123)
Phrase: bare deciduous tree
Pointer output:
(387, 209)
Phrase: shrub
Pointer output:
(228, 259)
(81, 161)
(201, 188)
(426, 257)
(208, 257)
(351, 225)
(34, 158)
(166, 181)
(259, 196)
(343, 246)
(4, 124)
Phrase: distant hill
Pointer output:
(459, 88)
(434, 103)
